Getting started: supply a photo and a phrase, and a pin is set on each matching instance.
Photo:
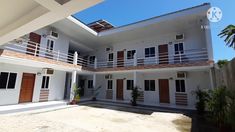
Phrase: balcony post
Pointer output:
(75, 58)
(180, 56)
(36, 49)
(135, 59)
(95, 63)
(58, 55)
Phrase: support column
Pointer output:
(94, 85)
(95, 63)
(135, 79)
(94, 81)
(73, 84)
(135, 59)
(74, 77)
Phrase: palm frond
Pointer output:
(229, 34)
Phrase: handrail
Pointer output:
(188, 56)
(35, 49)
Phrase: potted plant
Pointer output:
(134, 94)
(75, 94)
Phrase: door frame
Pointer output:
(120, 63)
(160, 101)
(34, 76)
(118, 89)
(159, 56)
(31, 47)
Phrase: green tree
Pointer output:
(221, 63)
(229, 34)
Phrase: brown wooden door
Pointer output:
(27, 86)
(119, 89)
(120, 58)
(164, 91)
(163, 54)
(34, 44)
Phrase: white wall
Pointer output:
(11, 96)
(194, 80)
(61, 44)
(194, 39)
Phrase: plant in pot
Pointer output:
(134, 94)
(202, 98)
(75, 94)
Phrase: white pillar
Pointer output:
(75, 58)
(73, 84)
(135, 59)
(135, 79)
(95, 63)
(94, 81)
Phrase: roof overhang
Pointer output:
(20, 17)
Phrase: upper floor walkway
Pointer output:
(28, 50)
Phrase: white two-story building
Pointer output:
(167, 57)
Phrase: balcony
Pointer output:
(28, 50)
(33, 51)
(193, 57)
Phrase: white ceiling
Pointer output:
(20, 17)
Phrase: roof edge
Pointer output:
(83, 25)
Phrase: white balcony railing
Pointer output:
(34, 49)
(163, 58)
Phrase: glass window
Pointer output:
(92, 59)
(149, 85)
(110, 57)
(180, 85)
(179, 48)
(110, 84)
(3, 80)
(50, 45)
(150, 52)
(7, 80)
(90, 84)
(129, 84)
(12, 81)
(45, 82)
(130, 54)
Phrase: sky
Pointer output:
(122, 12)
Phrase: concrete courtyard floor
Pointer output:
(95, 118)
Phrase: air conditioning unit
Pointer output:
(181, 75)
(53, 35)
(47, 71)
(109, 76)
(179, 37)
(109, 49)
